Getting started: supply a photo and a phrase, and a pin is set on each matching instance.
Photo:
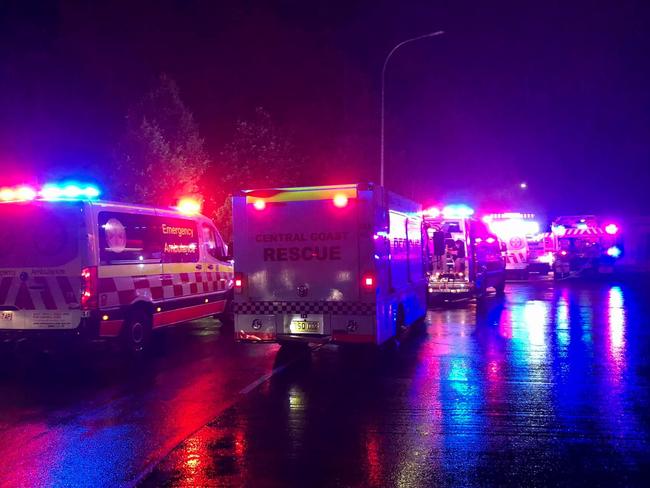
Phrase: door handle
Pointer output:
(198, 266)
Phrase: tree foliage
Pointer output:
(161, 156)
(261, 154)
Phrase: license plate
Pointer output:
(6, 316)
(305, 326)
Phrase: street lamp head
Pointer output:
(523, 185)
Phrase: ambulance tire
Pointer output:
(500, 287)
(400, 321)
(136, 335)
(481, 292)
(227, 317)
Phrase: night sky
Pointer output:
(556, 94)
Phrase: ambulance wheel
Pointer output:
(400, 321)
(501, 287)
(227, 317)
(137, 331)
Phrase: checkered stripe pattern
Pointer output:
(333, 308)
(124, 290)
(41, 293)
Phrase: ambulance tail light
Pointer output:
(89, 288)
(369, 282)
(340, 200)
(239, 283)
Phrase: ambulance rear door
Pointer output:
(43, 248)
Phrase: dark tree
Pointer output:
(161, 155)
(260, 155)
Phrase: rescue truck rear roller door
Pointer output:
(301, 250)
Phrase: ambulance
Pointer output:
(541, 252)
(341, 264)
(76, 267)
(585, 244)
(515, 229)
(465, 258)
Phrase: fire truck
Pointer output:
(585, 244)
(464, 257)
(340, 264)
(516, 230)
(75, 267)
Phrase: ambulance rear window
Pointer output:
(34, 234)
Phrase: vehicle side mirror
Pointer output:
(439, 247)
(227, 252)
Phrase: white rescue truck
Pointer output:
(515, 229)
(465, 258)
(329, 263)
(74, 267)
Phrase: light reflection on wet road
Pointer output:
(101, 421)
(547, 386)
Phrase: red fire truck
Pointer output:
(339, 263)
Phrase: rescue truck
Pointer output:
(74, 266)
(585, 243)
(515, 229)
(340, 264)
(465, 258)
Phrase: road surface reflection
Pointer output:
(547, 385)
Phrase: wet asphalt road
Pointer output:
(101, 420)
(549, 385)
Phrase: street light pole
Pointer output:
(383, 86)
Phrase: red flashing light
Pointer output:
(259, 204)
(89, 288)
(189, 206)
(368, 281)
(340, 200)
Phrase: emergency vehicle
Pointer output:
(339, 263)
(515, 229)
(73, 266)
(464, 257)
(585, 243)
(541, 252)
